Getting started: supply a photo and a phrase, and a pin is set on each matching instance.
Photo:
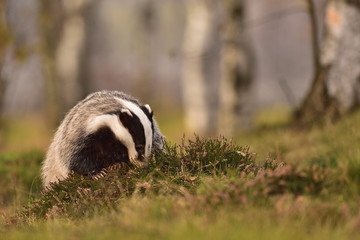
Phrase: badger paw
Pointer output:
(117, 166)
(97, 176)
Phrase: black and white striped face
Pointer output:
(132, 126)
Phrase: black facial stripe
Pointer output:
(136, 130)
(147, 113)
(149, 116)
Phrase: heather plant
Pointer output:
(211, 172)
(168, 172)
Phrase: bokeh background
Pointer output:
(205, 66)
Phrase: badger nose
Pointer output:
(141, 157)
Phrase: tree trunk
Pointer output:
(335, 90)
(85, 79)
(4, 42)
(52, 16)
(235, 69)
(68, 53)
(144, 79)
(197, 33)
(22, 70)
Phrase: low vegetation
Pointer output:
(299, 185)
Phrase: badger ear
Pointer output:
(126, 111)
(147, 106)
(125, 116)
(147, 110)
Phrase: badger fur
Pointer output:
(105, 128)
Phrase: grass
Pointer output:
(20, 179)
(24, 134)
(300, 184)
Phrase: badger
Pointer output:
(105, 128)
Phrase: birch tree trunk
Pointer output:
(235, 68)
(4, 42)
(52, 16)
(89, 13)
(335, 90)
(21, 69)
(68, 52)
(198, 29)
(148, 23)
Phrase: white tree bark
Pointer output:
(336, 88)
(341, 53)
(198, 28)
(69, 50)
(21, 70)
(235, 69)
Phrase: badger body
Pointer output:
(105, 128)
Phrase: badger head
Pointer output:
(132, 125)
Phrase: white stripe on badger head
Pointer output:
(121, 133)
(134, 108)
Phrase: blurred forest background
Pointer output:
(205, 66)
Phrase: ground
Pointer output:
(274, 182)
